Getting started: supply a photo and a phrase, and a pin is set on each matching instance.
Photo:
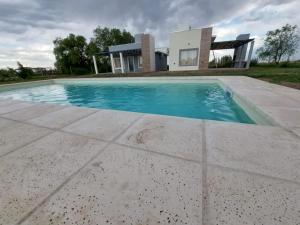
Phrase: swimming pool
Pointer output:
(186, 98)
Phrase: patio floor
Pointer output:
(71, 165)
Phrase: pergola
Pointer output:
(239, 46)
(229, 44)
(120, 51)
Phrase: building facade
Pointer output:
(134, 57)
(190, 49)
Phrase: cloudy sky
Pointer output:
(28, 27)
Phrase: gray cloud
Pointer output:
(33, 24)
(48, 14)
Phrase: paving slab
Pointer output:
(239, 82)
(105, 124)
(165, 134)
(126, 186)
(296, 130)
(266, 150)
(14, 135)
(268, 98)
(34, 111)
(286, 117)
(30, 174)
(155, 173)
(290, 92)
(6, 102)
(61, 118)
(236, 198)
(6, 108)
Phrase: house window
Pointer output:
(140, 61)
(117, 62)
(188, 57)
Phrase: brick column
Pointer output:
(205, 45)
(148, 53)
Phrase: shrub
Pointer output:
(284, 64)
(8, 75)
(253, 62)
(223, 62)
(80, 70)
(226, 61)
(24, 72)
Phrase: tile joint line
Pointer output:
(157, 153)
(51, 131)
(204, 176)
(27, 144)
(251, 173)
(68, 179)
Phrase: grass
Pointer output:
(274, 75)
(279, 75)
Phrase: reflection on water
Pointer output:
(195, 100)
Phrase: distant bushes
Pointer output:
(27, 73)
(284, 64)
(24, 72)
(8, 75)
(295, 64)
(227, 61)
(223, 62)
(80, 71)
(254, 62)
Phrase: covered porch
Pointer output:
(126, 61)
(241, 55)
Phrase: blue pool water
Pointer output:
(194, 100)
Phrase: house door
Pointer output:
(130, 63)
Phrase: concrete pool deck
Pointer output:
(71, 165)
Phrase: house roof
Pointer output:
(229, 44)
(124, 52)
(125, 47)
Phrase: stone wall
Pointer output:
(148, 53)
(205, 45)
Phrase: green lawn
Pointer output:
(284, 76)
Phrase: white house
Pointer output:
(190, 49)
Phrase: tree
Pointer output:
(70, 54)
(24, 72)
(103, 38)
(226, 61)
(74, 55)
(264, 53)
(279, 43)
(8, 74)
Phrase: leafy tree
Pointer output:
(254, 62)
(279, 43)
(70, 54)
(8, 74)
(74, 55)
(225, 62)
(24, 72)
(103, 38)
(264, 53)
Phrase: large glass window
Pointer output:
(188, 57)
(117, 62)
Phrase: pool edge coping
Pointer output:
(255, 112)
